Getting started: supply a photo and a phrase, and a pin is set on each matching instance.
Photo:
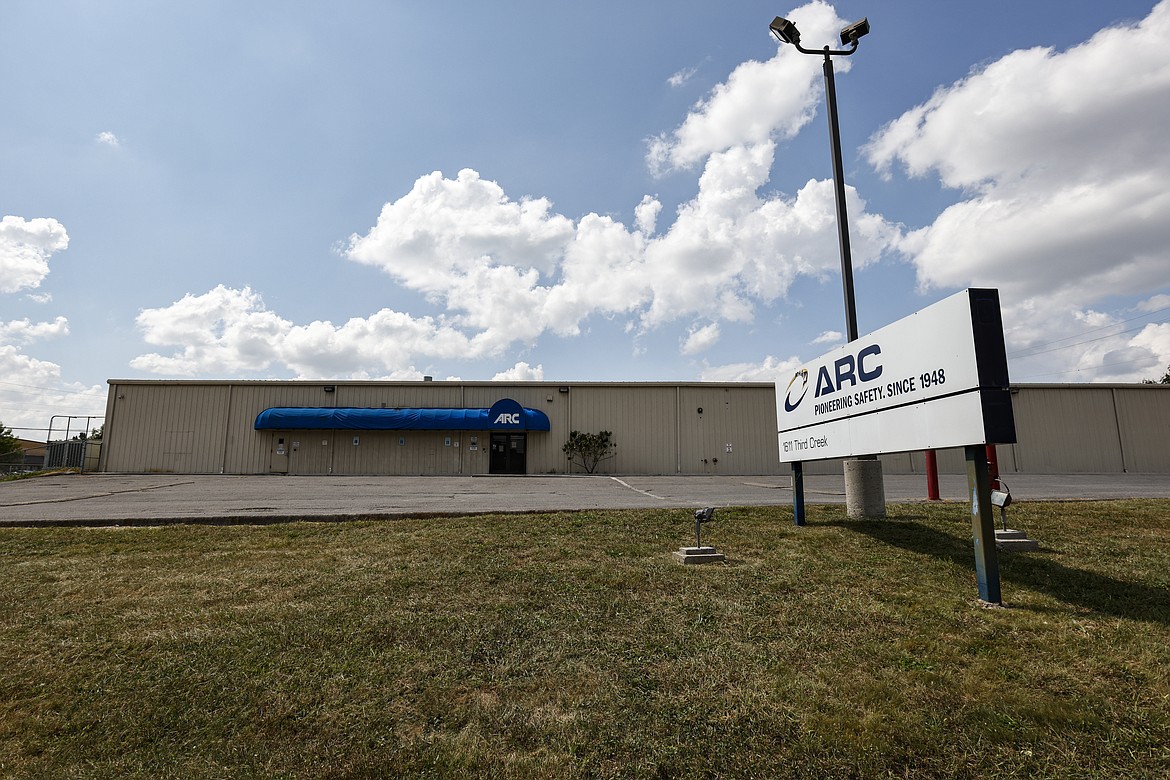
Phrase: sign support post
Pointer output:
(983, 524)
(931, 475)
(798, 492)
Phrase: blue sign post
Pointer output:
(983, 524)
(798, 492)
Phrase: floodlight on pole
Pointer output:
(850, 34)
(787, 32)
(864, 492)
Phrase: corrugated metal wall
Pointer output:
(246, 451)
(1143, 416)
(643, 421)
(1066, 429)
(394, 452)
(174, 428)
(732, 426)
(207, 427)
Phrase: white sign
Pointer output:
(927, 381)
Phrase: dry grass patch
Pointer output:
(571, 645)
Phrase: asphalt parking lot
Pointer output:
(117, 499)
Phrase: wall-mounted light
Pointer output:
(329, 388)
(562, 390)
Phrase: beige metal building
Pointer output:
(406, 428)
(194, 427)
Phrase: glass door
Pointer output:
(509, 453)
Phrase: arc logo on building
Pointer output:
(506, 414)
(935, 379)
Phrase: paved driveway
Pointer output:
(97, 499)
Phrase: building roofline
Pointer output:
(436, 383)
(549, 383)
(1094, 385)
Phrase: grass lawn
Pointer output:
(572, 645)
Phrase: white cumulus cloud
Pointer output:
(700, 339)
(758, 102)
(771, 369)
(504, 270)
(25, 331)
(25, 249)
(1061, 163)
(232, 331)
(1156, 303)
(521, 372)
(1155, 340)
(32, 391)
(448, 228)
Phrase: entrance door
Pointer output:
(509, 453)
(278, 454)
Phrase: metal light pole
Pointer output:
(864, 491)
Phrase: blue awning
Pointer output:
(323, 418)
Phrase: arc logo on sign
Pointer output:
(846, 370)
(506, 413)
(802, 388)
(793, 387)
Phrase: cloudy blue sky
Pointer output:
(539, 190)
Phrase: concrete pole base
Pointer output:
(693, 555)
(865, 493)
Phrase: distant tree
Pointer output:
(97, 432)
(10, 449)
(1165, 380)
(589, 449)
